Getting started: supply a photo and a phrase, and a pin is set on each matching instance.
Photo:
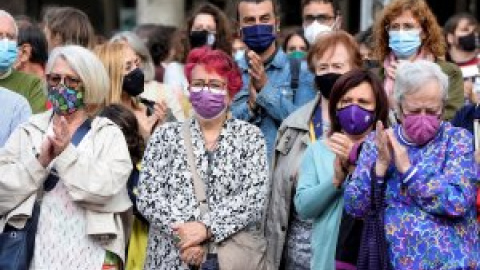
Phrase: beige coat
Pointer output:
(95, 175)
(292, 140)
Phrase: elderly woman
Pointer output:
(230, 158)
(78, 162)
(288, 235)
(407, 30)
(428, 169)
(357, 102)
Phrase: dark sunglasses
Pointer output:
(54, 79)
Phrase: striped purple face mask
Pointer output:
(354, 119)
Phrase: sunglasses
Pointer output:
(54, 80)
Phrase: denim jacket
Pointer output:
(276, 100)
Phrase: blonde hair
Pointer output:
(88, 67)
(112, 56)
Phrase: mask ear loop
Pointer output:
(337, 23)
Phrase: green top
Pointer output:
(29, 86)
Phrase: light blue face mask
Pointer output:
(8, 54)
(239, 55)
(404, 43)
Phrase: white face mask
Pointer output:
(314, 30)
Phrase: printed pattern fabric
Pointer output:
(61, 241)
(430, 218)
(236, 188)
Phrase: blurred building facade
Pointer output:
(111, 15)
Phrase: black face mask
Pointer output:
(133, 82)
(325, 83)
(468, 43)
(198, 38)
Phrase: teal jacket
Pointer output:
(317, 198)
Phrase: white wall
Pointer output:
(168, 12)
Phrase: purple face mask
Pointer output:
(354, 119)
(206, 104)
(419, 128)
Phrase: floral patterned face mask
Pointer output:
(65, 100)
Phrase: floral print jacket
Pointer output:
(236, 185)
(430, 218)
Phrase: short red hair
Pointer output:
(215, 61)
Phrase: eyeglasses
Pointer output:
(320, 18)
(402, 26)
(214, 86)
(54, 79)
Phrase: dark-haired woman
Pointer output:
(289, 235)
(357, 102)
(296, 45)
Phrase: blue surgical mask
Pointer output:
(239, 55)
(8, 54)
(258, 37)
(404, 43)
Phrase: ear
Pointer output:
(450, 39)
(277, 24)
(24, 53)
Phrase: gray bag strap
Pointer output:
(198, 184)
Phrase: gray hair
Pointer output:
(88, 67)
(411, 76)
(141, 49)
(3, 13)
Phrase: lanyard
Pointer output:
(316, 125)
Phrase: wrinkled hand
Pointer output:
(341, 145)
(384, 150)
(400, 154)
(193, 255)
(256, 70)
(190, 233)
(53, 145)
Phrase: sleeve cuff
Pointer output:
(409, 175)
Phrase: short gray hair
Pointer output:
(141, 49)
(411, 76)
(3, 13)
(88, 67)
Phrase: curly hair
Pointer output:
(223, 37)
(215, 61)
(433, 40)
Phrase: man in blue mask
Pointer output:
(24, 84)
(268, 95)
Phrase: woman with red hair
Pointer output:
(229, 157)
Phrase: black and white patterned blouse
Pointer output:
(236, 186)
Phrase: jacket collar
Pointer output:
(41, 121)
(279, 61)
(300, 119)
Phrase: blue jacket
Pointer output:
(276, 100)
(317, 198)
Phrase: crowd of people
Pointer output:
(230, 144)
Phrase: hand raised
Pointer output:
(400, 154)
(384, 156)
(256, 70)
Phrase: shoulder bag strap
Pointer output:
(198, 184)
